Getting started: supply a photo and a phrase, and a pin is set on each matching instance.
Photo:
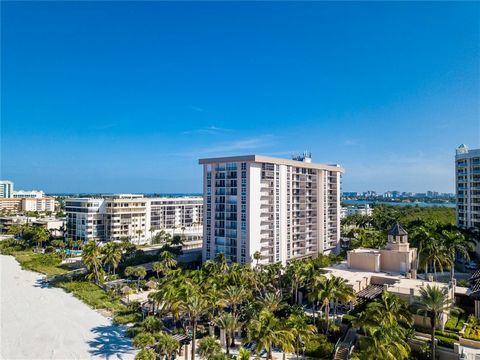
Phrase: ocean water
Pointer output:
(398, 203)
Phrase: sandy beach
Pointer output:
(39, 322)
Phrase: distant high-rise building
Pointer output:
(6, 189)
(467, 175)
(282, 209)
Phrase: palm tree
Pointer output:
(40, 235)
(384, 342)
(146, 354)
(112, 254)
(152, 324)
(92, 260)
(257, 256)
(297, 273)
(323, 290)
(389, 309)
(433, 302)
(455, 244)
(139, 273)
(221, 262)
(157, 267)
(301, 330)
(382, 322)
(267, 330)
(234, 296)
(167, 345)
(209, 347)
(152, 229)
(244, 354)
(271, 301)
(143, 340)
(229, 324)
(168, 261)
(343, 293)
(194, 306)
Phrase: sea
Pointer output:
(398, 203)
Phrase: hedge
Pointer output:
(445, 341)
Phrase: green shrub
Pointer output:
(127, 318)
(133, 331)
(427, 330)
(347, 319)
(91, 294)
(49, 264)
(448, 334)
(445, 341)
(454, 324)
(472, 335)
(319, 347)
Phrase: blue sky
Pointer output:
(125, 97)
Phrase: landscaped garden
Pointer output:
(222, 310)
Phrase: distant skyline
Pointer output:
(127, 96)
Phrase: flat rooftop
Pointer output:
(268, 159)
(365, 251)
(397, 283)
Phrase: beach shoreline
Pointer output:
(44, 322)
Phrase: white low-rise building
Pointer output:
(365, 209)
(28, 194)
(135, 218)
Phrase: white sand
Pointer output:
(39, 322)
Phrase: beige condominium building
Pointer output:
(21, 200)
(45, 204)
(283, 209)
(126, 218)
(467, 175)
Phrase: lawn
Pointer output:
(91, 295)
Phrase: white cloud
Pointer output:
(239, 145)
(210, 130)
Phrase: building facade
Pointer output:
(16, 201)
(6, 189)
(134, 218)
(282, 209)
(44, 204)
(126, 218)
(365, 210)
(467, 175)
(28, 194)
(85, 219)
(176, 212)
